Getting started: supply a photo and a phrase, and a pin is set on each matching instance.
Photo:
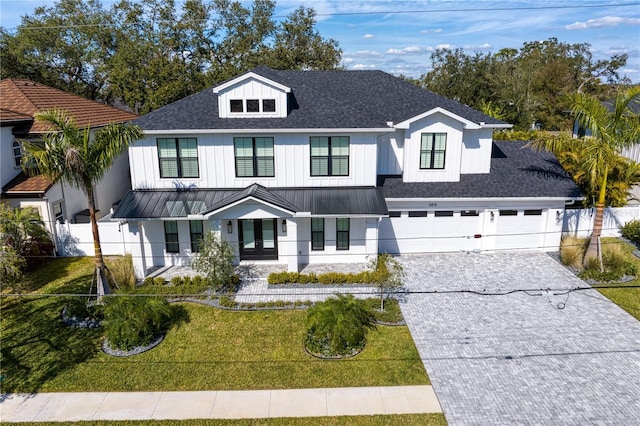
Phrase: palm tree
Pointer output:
(70, 154)
(612, 127)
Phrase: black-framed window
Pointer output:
(469, 213)
(342, 233)
(254, 157)
(171, 236)
(535, 212)
(17, 153)
(268, 105)
(443, 213)
(236, 105)
(253, 105)
(418, 213)
(508, 212)
(196, 231)
(329, 155)
(395, 213)
(317, 233)
(433, 147)
(178, 157)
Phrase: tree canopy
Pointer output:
(148, 53)
(527, 85)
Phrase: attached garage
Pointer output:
(520, 229)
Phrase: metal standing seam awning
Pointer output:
(184, 203)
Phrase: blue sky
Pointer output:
(399, 36)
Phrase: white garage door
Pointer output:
(520, 229)
(431, 231)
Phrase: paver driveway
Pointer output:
(521, 358)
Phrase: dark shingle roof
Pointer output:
(140, 204)
(516, 171)
(322, 99)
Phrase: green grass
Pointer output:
(400, 419)
(627, 298)
(215, 350)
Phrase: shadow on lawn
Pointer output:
(34, 343)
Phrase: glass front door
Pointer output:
(258, 239)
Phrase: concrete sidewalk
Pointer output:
(55, 407)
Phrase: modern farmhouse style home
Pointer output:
(299, 167)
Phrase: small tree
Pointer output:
(215, 261)
(339, 325)
(387, 272)
(24, 232)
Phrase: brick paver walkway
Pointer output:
(523, 358)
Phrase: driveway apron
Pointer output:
(534, 357)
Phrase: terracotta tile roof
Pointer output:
(9, 116)
(23, 184)
(27, 97)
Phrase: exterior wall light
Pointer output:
(229, 227)
(284, 226)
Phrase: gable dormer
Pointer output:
(252, 96)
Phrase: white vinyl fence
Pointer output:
(76, 239)
(579, 222)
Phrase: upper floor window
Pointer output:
(17, 153)
(178, 157)
(252, 105)
(329, 156)
(254, 157)
(432, 150)
(58, 212)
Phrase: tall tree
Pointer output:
(70, 154)
(612, 127)
(64, 46)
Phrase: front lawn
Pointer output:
(215, 350)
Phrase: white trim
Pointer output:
(271, 131)
(228, 206)
(247, 76)
(486, 199)
(467, 123)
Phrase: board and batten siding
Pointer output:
(390, 154)
(216, 162)
(476, 151)
(436, 123)
(252, 89)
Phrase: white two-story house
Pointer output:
(299, 167)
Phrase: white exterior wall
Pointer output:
(454, 234)
(476, 151)
(632, 152)
(8, 170)
(390, 153)
(216, 161)
(435, 123)
(114, 186)
(251, 88)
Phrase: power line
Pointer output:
(369, 13)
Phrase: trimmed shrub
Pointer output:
(132, 321)
(631, 231)
(176, 281)
(338, 326)
(76, 307)
(148, 281)
(159, 281)
(186, 280)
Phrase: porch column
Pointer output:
(289, 248)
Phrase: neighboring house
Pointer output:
(19, 101)
(298, 167)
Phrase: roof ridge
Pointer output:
(13, 82)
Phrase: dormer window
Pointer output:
(252, 105)
(236, 105)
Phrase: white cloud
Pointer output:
(405, 51)
(485, 46)
(366, 54)
(606, 21)
(445, 46)
(362, 66)
(347, 60)
(438, 30)
(368, 36)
